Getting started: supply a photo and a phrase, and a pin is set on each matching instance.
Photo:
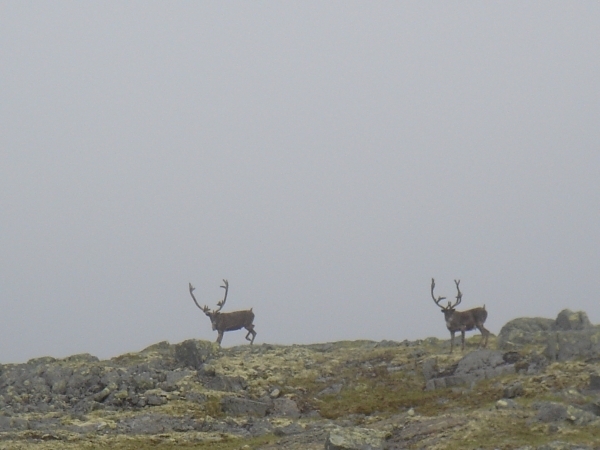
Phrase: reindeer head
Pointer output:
(212, 315)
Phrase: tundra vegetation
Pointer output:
(537, 386)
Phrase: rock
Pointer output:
(156, 423)
(558, 445)
(259, 427)
(287, 430)
(568, 320)
(514, 390)
(506, 403)
(81, 358)
(285, 407)
(594, 382)
(242, 406)
(551, 412)
(334, 389)
(275, 393)
(532, 364)
(475, 366)
(162, 348)
(579, 416)
(174, 377)
(387, 344)
(13, 424)
(100, 396)
(227, 384)
(355, 439)
(423, 428)
(565, 345)
(155, 398)
(143, 381)
(479, 360)
(523, 331)
(430, 368)
(593, 407)
(193, 353)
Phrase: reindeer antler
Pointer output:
(459, 295)
(222, 302)
(439, 299)
(194, 298)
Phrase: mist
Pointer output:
(326, 158)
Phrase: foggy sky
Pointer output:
(327, 158)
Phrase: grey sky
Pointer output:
(328, 158)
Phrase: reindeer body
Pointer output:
(231, 321)
(462, 321)
(466, 321)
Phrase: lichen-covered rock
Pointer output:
(475, 366)
(523, 331)
(285, 407)
(422, 429)
(551, 412)
(506, 403)
(430, 368)
(193, 353)
(243, 406)
(355, 439)
(568, 320)
(225, 383)
(513, 390)
(565, 345)
(157, 423)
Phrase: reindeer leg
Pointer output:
(485, 334)
(451, 341)
(462, 335)
(251, 332)
(220, 337)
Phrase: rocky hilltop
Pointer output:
(537, 386)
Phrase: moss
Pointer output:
(511, 432)
(163, 442)
(213, 408)
(225, 443)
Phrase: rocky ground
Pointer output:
(537, 386)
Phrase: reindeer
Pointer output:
(462, 320)
(231, 321)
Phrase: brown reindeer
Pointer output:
(231, 321)
(462, 320)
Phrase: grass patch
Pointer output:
(397, 395)
(149, 442)
(212, 407)
(227, 443)
(372, 389)
(514, 433)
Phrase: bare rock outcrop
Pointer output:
(473, 367)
